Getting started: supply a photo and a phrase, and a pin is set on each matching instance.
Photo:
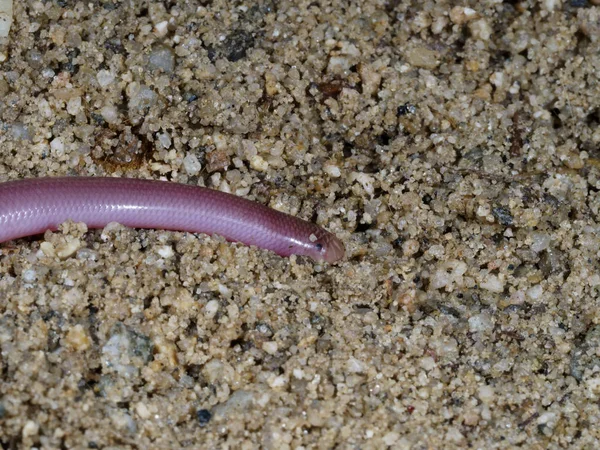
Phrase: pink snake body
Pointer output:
(32, 206)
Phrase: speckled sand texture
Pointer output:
(453, 147)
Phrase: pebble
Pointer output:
(492, 283)
(6, 17)
(211, 308)
(68, 247)
(270, 347)
(74, 106)
(161, 58)
(58, 147)
(461, 14)
(410, 247)
(141, 97)
(29, 275)
(21, 132)
(31, 428)
(110, 114)
(142, 410)
(422, 57)
(191, 164)
(203, 416)
(105, 78)
(540, 242)
(535, 292)
(258, 163)
(486, 394)
(480, 323)
(123, 345)
(78, 338)
(239, 401)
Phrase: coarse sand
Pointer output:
(453, 146)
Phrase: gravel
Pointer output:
(452, 147)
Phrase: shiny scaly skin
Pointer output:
(32, 206)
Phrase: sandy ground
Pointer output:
(453, 147)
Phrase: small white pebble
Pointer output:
(454, 435)
(493, 284)
(514, 88)
(110, 227)
(461, 14)
(535, 292)
(447, 347)
(270, 347)
(440, 279)
(437, 251)
(480, 322)
(48, 73)
(332, 171)
(276, 382)
(550, 5)
(30, 429)
(353, 365)
(483, 210)
(258, 163)
(211, 308)
(438, 25)
(48, 249)
(191, 164)
(540, 242)
(165, 140)
(161, 28)
(428, 363)
(142, 410)
(57, 146)
(480, 29)
(366, 181)
(486, 394)
(548, 419)
(224, 290)
(497, 79)
(109, 113)
(6, 17)
(105, 78)
(29, 275)
(410, 247)
(339, 64)
(69, 248)
(166, 251)
(74, 106)
(390, 438)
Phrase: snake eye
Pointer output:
(319, 247)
